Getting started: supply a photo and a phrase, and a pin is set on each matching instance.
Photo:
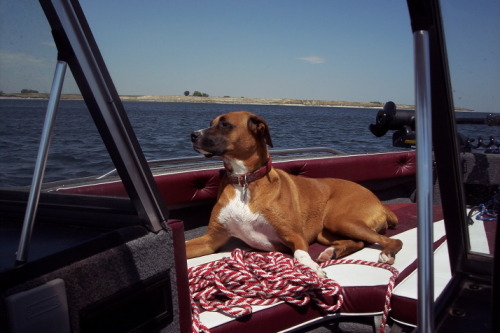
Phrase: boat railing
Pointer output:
(278, 154)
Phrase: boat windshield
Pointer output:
(320, 77)
(473, 41)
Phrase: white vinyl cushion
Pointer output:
(348, 275)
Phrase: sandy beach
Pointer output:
(219, 100)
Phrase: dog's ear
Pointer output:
(259, 126)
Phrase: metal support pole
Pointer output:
(41, 162)
(423, 119)
(76, 45)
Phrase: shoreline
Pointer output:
(226, 100)
(216, 100)
(255, 101)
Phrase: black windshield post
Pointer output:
(77, 47)
(425, 15)
(465, 267)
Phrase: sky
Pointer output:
(320, 49)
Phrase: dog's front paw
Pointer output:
(314, 266)
(321, 273)
(386, 258)
(304, 258)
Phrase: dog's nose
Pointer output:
(195, 135)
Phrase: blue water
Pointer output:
(163, 131)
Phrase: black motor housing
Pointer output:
(401, 121)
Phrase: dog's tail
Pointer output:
(392, 219)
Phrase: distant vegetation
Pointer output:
(200, 94)
(196, 93)
(29, 91)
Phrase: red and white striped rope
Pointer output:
(233, 284)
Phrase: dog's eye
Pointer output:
(225, 125)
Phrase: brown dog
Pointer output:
(270, 209)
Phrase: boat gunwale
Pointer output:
(201, 164)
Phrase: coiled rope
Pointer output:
(233, 284)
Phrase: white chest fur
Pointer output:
(250, 227)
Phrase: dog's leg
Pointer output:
(304, 258)
(209, 243)
(340, 248)
(203, 245)
(360, 232)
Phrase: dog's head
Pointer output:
(233, 134)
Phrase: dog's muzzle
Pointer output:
(197, 140)
(195, 135)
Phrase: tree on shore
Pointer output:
(29, 91)
(186, 93)
(200, 94)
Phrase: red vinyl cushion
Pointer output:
(358, 300)
(184, 298)
(187, 187)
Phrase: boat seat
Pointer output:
(405, 294)
(363, 287)
(137, 285)
(184, 188)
